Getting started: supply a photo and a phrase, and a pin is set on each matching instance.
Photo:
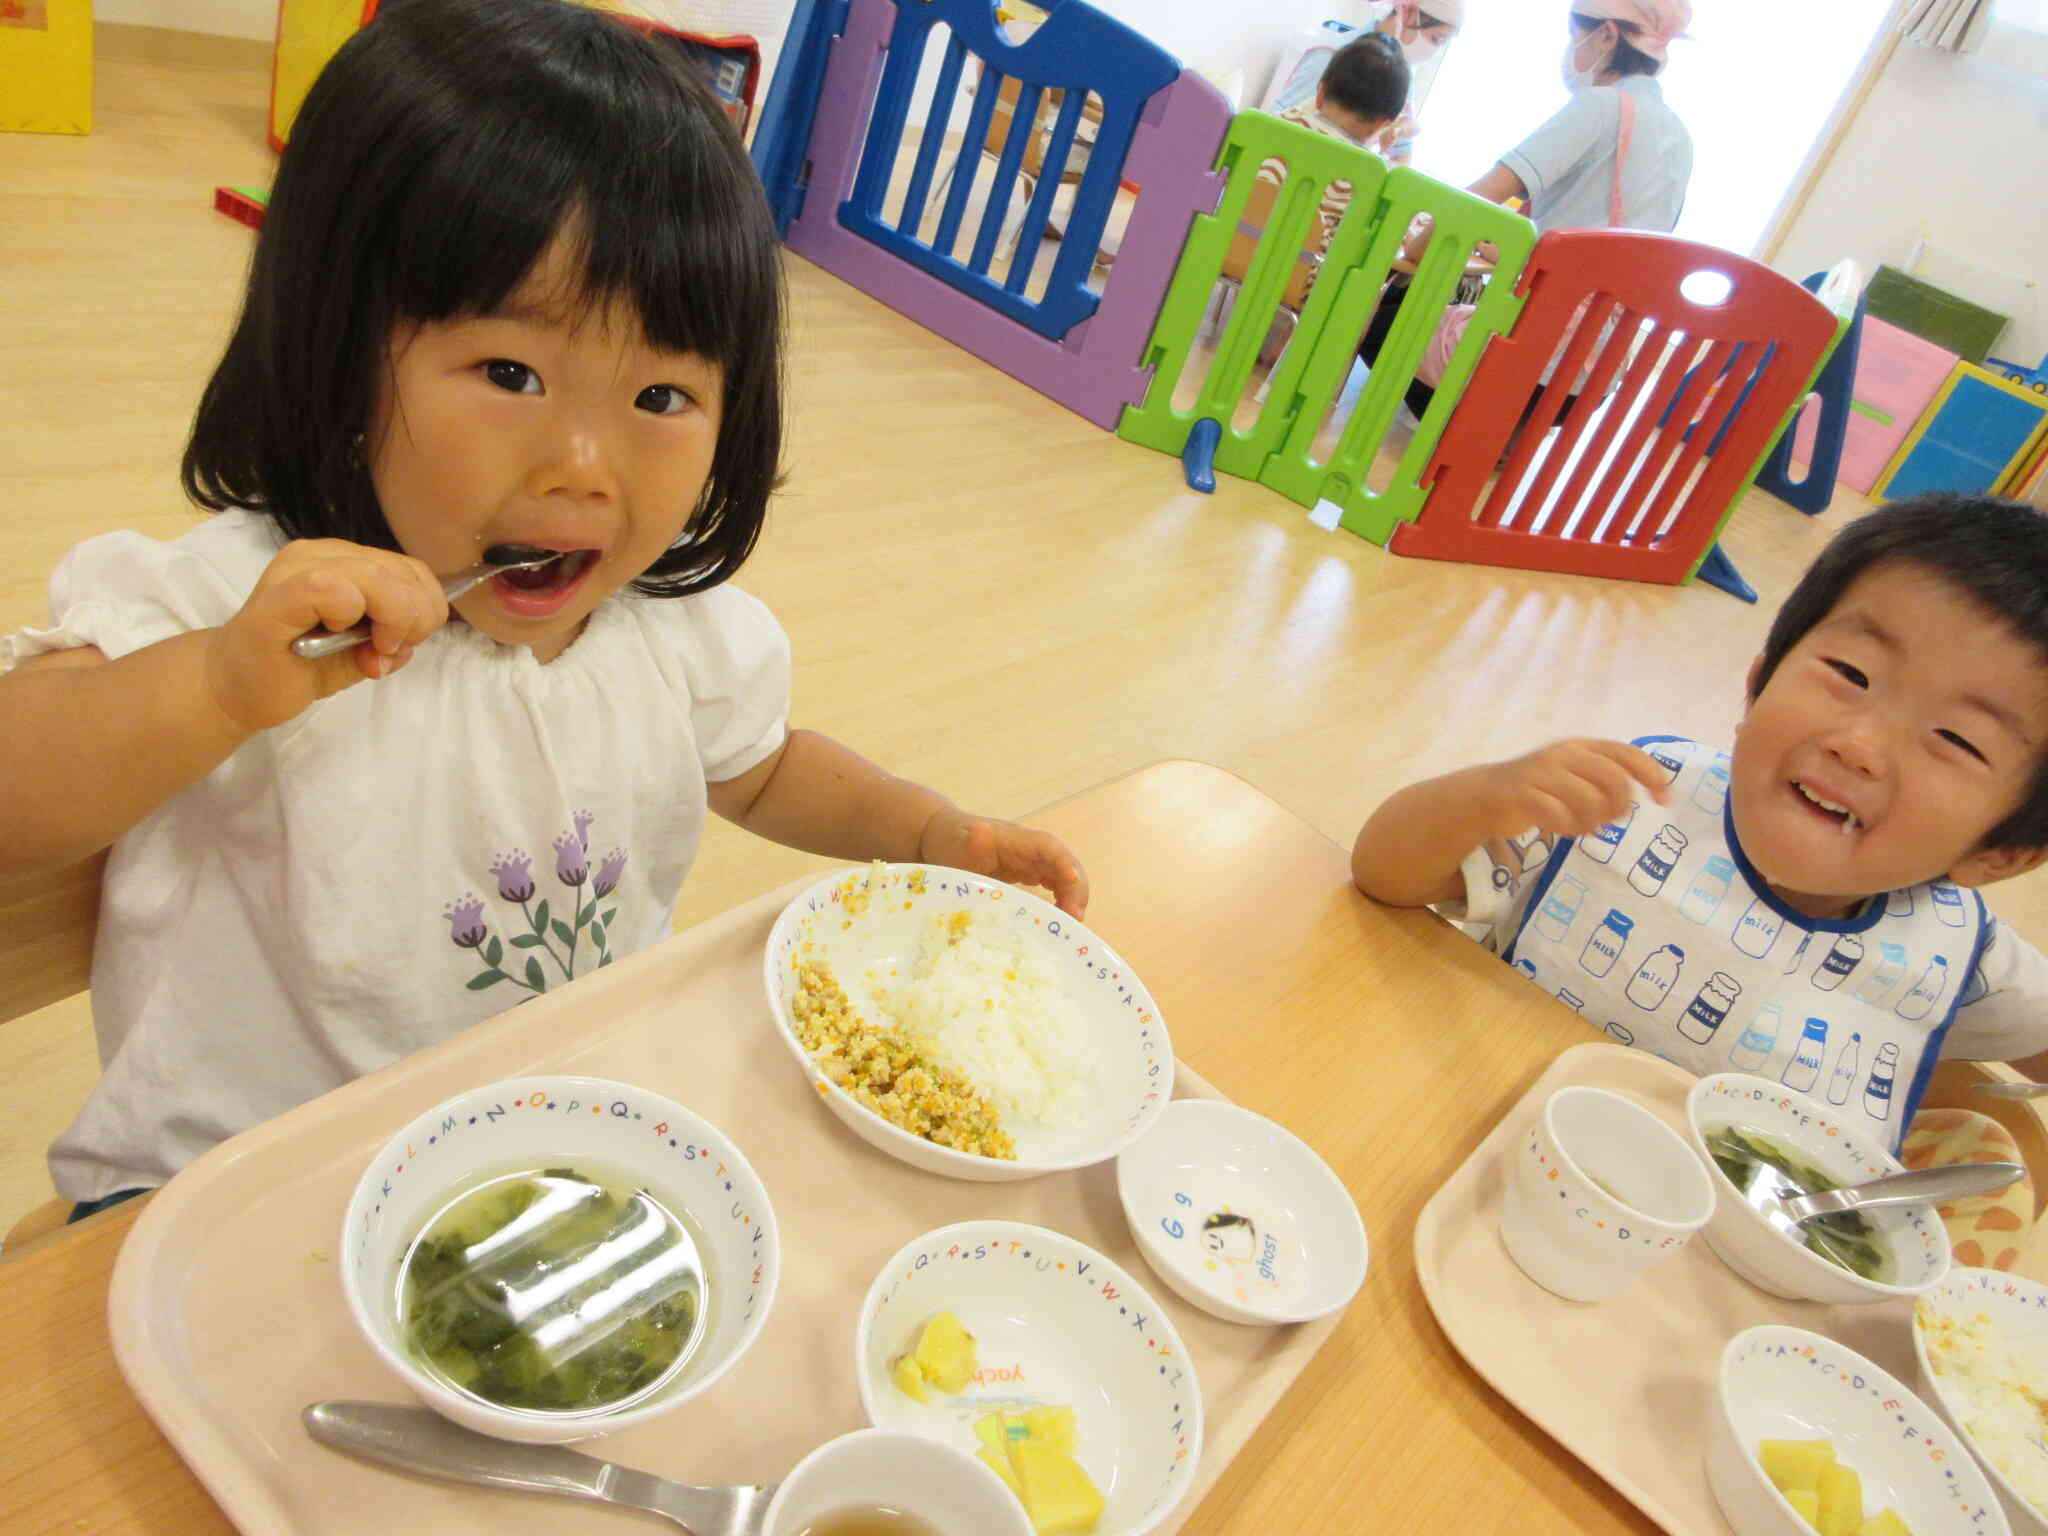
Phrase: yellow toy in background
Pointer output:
(308, 34)
(46, 66)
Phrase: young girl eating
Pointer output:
(517, 286)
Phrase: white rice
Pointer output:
(991, 1009)
(2001, 1382)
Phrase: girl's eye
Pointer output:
(1850, 674)
(516, 377)
(663, 400)
(1958, 741)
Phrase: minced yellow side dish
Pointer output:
(886, 1071)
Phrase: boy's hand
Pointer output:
(1005, 851)
(256, 678)
(1571, 787)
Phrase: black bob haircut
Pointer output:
(1628, 59)
(1369, 76)
(439, 153)
(1992, 551)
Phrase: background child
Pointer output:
(517, 284)
(1805, 906)
(1362, 92)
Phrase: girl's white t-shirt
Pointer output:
(402, 860)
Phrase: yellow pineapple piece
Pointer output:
(909, 1379)
(999, 1462)
(992, 1430)
(1057, 1493)
(1051, 1426)
(1791, 1464)
(1841, 1500)
(1805, 1504)
(945, 1353)
(1885, 1522)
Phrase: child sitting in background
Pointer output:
(1805, 907)
(518, 284)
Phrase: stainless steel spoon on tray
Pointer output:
(499, 557)
(419, 1440)
(1951, 1181)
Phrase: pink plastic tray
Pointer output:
(227, 1312)
(1627, 1384)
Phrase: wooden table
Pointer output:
(1387, 1040)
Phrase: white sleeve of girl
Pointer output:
(122, 591)
(2003, 1014)
(736, 666)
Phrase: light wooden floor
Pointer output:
(984, 591)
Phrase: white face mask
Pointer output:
(1576, 79)
(1421, 51)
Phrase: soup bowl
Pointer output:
(614, 1133)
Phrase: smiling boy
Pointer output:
(1804, 907)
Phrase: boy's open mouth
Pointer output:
(556, 574)
(1841, 814)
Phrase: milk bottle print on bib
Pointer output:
(1877, 1093)
(1891, 965)
(1670, 756)
(1803, 1070)
(1703, 898)
(1757, 929)
(1607, 942)
(1842, 958)
(1654, 867)
(1919, 1002)
(1560, 907)
(1843, 1078)
(1899, 904)
(1798, 954)
(1948, 904)
(1656, 977)
(1712, 791)
(1759, 1038)
(1710, 1007)
(1601, 845)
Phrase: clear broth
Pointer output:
(870, 1520)
(553, 1290)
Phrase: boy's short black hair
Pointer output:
(1991, 550)
(1628, 59)
(436, 157)
(1369, 76)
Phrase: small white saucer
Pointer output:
(1239, 1217)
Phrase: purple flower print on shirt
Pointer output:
(515, 875)
(572, 862)
(466, 926)
(513, 872)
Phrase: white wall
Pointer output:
(1952, 148)
(1217, 35)
(231, 18)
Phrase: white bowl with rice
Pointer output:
(963, 1025)
(1980, 1339)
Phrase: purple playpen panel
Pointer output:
(1094, 370)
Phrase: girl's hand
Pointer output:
(1570, 787)
(1005, 851)
(255, 677)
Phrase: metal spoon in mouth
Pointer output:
(499, 557)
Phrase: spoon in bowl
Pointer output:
(499, 557)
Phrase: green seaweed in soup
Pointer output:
(1844, 1238)
(553, 1291)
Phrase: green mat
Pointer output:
(1934, 314)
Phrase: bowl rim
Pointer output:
(1953, 1410)
(599, 1421)
(1906, 1396)
(930, 1154)
(1804, 1257)
(1162, 1258)
(1182, 1478)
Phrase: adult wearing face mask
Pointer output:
(1614, 156)
(1420, 30)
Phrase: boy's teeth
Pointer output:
(1826, 805)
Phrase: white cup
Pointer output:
(1598, 1190)
(893, 1469)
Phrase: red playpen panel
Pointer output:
(1675, 365)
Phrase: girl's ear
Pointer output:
(1988, 865)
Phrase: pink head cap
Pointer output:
(1656, 22)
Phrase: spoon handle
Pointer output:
(1925, 1185)
(2010, 1090)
